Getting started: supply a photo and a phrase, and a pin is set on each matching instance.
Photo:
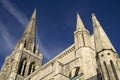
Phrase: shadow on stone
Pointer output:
(96, 77)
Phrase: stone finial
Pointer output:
(79, 24)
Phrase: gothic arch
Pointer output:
(31, 68)
(22, 66)
(25, 44)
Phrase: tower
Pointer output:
(85, 51)
(25, 58)
(106, 55)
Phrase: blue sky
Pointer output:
(56, 20)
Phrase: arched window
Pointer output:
(34, 49)
(24, 44)
(31, 68)
(114, 70)
(22, 67)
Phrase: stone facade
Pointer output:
(90, 57)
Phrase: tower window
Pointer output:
(31, 68)
(34, 49)
(22, 67)
(25, 44)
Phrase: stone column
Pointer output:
(117, 70)
(23, 67)
(110, 72)
(58, 71)
(105, 75)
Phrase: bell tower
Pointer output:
(25, 58)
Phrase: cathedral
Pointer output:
(90, 57)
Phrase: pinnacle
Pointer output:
(31, 25)
(79, 24)
(95, 21)
(34, 14)
(93, 14)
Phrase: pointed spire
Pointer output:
(34, 14)
(81, 34)
(101, 39)
(29, 35)
(79, 24)
(31, 25)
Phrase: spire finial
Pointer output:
(93, 14)
(79, 24)
(34, 14)
(95, 21)
(31, 25)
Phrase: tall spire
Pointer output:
(31, 27)
(79, 24)
(101, 39)
(29, 36)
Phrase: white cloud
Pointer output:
(15, 12)
(21, 18)
(43, 50)
(6, 36)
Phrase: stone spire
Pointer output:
(101, 40)
(81, 34)
(30, 31)
(79, 24)
(28, 39)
